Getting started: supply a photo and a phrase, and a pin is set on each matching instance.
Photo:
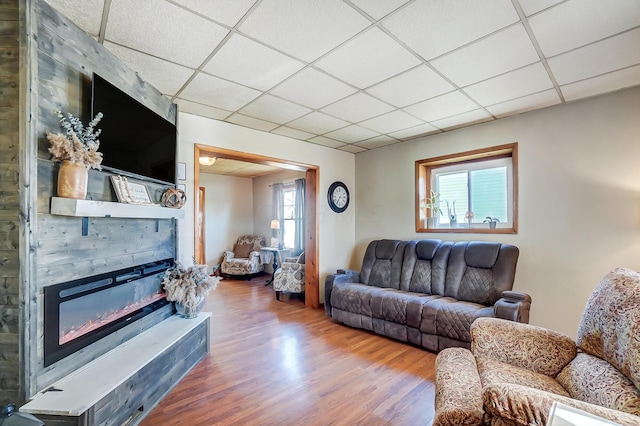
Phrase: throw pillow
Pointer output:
(242, 250)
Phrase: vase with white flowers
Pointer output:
(77, 149)
(188, 287)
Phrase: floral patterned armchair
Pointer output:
(514, 372)
(290, 276)
(244, 261)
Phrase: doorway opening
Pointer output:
(312, 286)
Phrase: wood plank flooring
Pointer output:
(278, 363)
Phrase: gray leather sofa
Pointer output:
(428, 292)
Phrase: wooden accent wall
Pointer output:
(55, 72)
(9, 202)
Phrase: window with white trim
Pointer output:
(472, 190)
(289, 210)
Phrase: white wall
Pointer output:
(335, 231)
(579, 197)
(228, 213)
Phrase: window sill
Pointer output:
(463, 229)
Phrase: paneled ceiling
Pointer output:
(360, 74)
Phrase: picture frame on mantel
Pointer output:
(129, 192)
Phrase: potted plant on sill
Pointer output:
(433, 205)
(77, 149)
(492, 221)
(188, 287)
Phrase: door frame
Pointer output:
(312, 278)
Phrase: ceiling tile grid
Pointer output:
(356, 75)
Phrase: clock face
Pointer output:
(338, 197)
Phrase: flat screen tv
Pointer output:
(134, 139)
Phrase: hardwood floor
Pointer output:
(277, 363)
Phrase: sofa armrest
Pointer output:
(458, 389)
(228, 255)
(523, 345)
(254, 254)
(351, 277)
(348, 272)
(524, 405)
(514, 306)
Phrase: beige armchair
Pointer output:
(290, 276)
(244, 261)
(514, 372)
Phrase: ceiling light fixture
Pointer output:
(207, 161)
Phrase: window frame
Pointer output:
(288, 187)
(425, 167)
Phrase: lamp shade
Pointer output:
(206, 160)
(275, 224)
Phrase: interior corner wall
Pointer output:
(335, 232)
(579, 197)
(228, 213)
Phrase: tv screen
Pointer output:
(134, 139)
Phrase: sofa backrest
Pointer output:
(382, 263)
(610, 325)
(425, 266)
(480, 271)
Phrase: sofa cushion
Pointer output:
(353, 297)
(612, 333)
(242, 250)
(496, 372)
(594, 380)
(449, 317)
(382, 263)
(476, 285)
(400, 307)
(482, 254)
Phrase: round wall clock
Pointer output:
(338, 197)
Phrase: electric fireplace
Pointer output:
(80, 312)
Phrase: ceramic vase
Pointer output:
(72, 180)
(186, 312)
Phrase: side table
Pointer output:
(275, 252)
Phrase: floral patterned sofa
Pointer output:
(514, 372)
(244, 261)
(290, 276)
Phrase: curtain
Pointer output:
(278, 209)
(299, 240)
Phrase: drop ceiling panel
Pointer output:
(525, 81)
(434, 27)
(313, 88)
(378, 9)
(377, 142)
(475, 116)
(251, 122)
(598, 58)
(324, 141)
(525, 103)
(258, 66)
(293, 133)
(580, 22)
(424, 84)
(317, 123)
(352, 148)
(442, 106)
(496, 54)
(305, 32)
(368, 59)
(391, 122)
(165, 76)
(224, 11)
(88, 17)
(351, 134)
(218, 93)
(274, 109)
(529, 7)
(602, 84)
(138, 28)
(357, 107)
(412, 132)
(202, 110)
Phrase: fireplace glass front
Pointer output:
(80, 312)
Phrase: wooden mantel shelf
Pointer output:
(90, 208)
